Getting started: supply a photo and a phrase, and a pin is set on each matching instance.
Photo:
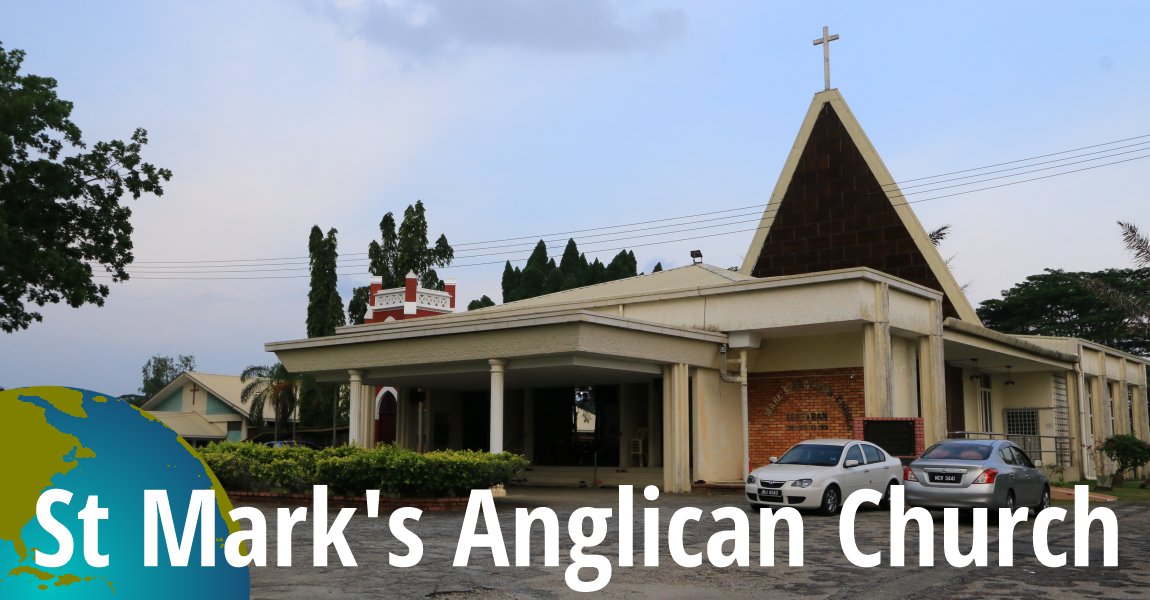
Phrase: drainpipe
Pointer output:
(741, 379)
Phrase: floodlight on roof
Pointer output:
(696, 256)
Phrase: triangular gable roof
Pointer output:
(191, 425)
(836, 206)
(227, 388)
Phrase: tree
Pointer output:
(357, 306)
(658, 267)
(1058, 303)
(324, 306)
(483, 302)
(161, 370)
(1136, 243)
(60, 211)
(540, 275)
(1128, 453)
(269, 384)
(408, 250)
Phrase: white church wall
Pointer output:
(717, 429)
(904, 379)
(809, 352)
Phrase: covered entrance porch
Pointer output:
(544, 387)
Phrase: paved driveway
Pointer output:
(826, 573)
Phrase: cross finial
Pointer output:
(826, 43)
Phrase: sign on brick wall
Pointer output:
(787, 407)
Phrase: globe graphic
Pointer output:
(97, 445)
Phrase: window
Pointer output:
(873, 454)
(854, 454)
(1108, 408)
(959, 450)
(1022, 428)
(1007, 455)
(1021, 459)
(985, 403)
(1062, 444)
(1130, 406)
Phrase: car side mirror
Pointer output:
(773, 459)
(1037, 462)
(851, 463)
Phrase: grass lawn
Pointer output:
(1129, 492)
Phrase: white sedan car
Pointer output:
(821, 473)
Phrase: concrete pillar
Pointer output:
(932, 379)
(877, 367)
(497, 365)
(355, 410)
(676, 429)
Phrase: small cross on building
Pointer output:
(826, 43)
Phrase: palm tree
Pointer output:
(273, 384)
(1137, 243)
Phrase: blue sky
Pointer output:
(510, 118)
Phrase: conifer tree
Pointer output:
(324, 305)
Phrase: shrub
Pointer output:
(1127, 451)
(348, 470)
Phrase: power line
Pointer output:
(1011, 162)
(183, 274)
(464, 245)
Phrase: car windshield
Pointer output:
(958, 452)
(812, 454)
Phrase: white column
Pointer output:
(932, 380)
(676, 429)
(497, 365)
(355, 411)
(877, 369)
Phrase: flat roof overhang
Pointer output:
(571, 347)
(963, 342)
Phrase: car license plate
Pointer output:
(945, 477)
(771, 494)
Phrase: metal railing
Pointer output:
(1060, 447)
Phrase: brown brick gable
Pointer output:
(835, 215)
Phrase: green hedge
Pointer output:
(349, 470)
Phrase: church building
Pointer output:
(844, 321)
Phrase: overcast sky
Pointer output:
(511, 118)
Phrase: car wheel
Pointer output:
(1010, 502)
(1043, 504)
(831, 500)
(884, 504)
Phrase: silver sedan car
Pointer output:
(976, 474)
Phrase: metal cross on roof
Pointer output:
(826, 42)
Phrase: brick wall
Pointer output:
(836, 215)
(787, 407)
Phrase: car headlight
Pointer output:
(751, 479)
(801, 483)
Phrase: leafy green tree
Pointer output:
(60, 211)
(1059, 303)
(408, 250)
(483, 302)
(324, 306)
(1127, 451)
(357, 306)
(160, 370)
(269, 384)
